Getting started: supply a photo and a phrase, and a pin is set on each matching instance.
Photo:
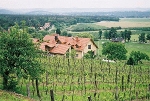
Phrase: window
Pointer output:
(89, 46)
(76, 55)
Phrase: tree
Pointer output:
(112, 33)
(64, 33)
(18, 57)
(128, 35)
(1, 29)
(114, 51)
(69, 35)
(148, 36)
(31, 30)
(136, 57)
(89, 55)
(58, 31)
(106, 34)
(123, 34)
(100, 34)
(142, 37)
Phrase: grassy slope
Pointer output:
(145, 48)
(10, 96)
(87, 25)
(131, 46)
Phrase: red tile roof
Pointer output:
(49, 38)
(65, 43)
(42, 46)
(60, 49)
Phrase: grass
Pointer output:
(145, 48)
(86, 26)
(131, 46)
(10, 96)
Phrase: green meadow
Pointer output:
(130, 46)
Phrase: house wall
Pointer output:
(93, 48)
(80, 54)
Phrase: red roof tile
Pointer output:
(49, 38)
(60, 49)
(42, 46)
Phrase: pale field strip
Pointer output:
(126, 23)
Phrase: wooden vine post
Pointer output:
(52, 95)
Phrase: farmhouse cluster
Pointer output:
(60, 45)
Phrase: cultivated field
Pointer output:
(127, 22)
(83, 79)
(78, 80)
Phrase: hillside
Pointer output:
(4, 11)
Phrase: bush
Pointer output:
(136, 57)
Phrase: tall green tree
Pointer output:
(58, 31)
(106, 34)
(142, 37)
(148, 37)
(100, 34)
(18, 57)
(123, 34)
(128, 35)
(112, 33)
(89, 55)
(114, 51)
(64, 33)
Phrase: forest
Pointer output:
(57, 20)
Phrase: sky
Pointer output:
(18, 4)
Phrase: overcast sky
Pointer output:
(15, 4)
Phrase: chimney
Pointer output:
(56, 37)
(77, 39)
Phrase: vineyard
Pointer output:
(89, 80)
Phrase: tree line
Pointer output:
(112, 33)
(126, 35)
(57, 20)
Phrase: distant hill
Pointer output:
(4, 11)
(40, 13)
(117, 12)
